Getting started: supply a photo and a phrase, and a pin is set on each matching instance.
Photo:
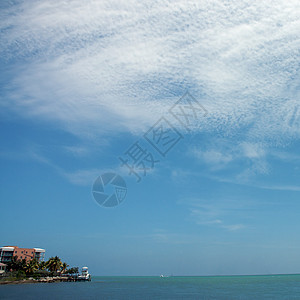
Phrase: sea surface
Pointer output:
(212, 287)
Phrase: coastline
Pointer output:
(40, 280)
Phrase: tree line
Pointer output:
(52, 265)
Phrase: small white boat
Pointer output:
(85, 275)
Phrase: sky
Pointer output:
(87, 86)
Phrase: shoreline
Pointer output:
(40, 280)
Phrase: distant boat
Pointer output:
(85, 275)
(162, 276)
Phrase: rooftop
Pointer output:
(11, 248)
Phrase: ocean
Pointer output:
(200, 287)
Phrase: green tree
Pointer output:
(31, 266)
(54, 264)
(73, 270)
(64, 267)
(14, 264)
(42, 265)
(22, 264)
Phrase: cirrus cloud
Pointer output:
(113, 66)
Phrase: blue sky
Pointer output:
(81, 83)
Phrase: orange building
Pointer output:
(7, 252)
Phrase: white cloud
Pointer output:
(286, 156)
(244, 159)
(112, 66)
(234, 227)
(77, 150)
(82, 177)
(213, 156)
(290, 188)
(253, 150)
(215, 213)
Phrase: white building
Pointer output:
(2, 268)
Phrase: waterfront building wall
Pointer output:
(7, 252)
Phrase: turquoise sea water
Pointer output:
(218, 287)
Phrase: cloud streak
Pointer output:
(216, 213)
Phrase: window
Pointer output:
(21, 251)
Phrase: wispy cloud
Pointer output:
(162, 236)
(215, 213)
(244, 159)
(286, 156)
(255, 184)
(290, 188)
(77, 150)
(234, 227)
(82, 177)
(213, 157)
(252, 150)
(99, 67)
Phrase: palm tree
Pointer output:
(73, 270)
(64, 267)
(31, 266)
(42, 265)
(54, 264)
(22, 264)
